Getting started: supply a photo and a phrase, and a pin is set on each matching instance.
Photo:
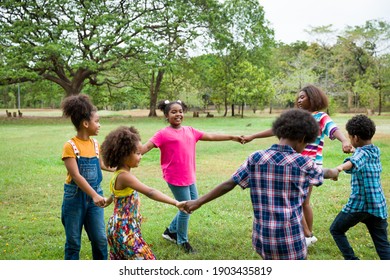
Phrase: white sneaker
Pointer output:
(310, 240)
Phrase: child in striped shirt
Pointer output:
(312, 99)
(278, 179)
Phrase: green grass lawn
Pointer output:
(32, 176)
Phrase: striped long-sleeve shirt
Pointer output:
(327, 128)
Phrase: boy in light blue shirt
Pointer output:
(367, 202)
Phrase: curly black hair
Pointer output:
(296, 124)
(166, 105)
(78, 108)
(119, 144)
(362, 126)
(317, 98)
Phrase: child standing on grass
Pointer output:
(367, 203)
(122, 149)
(83, 196)
(313, 100)
(279, 179)
(177, 144)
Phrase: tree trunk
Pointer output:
(380, 96)
(350, 102)
(226, 105)
(71, 87)
(154, 90)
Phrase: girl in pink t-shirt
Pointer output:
(177, 146)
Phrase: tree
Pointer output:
(366, 93)
(185, 21)
(293, 67)
(250, 86)
(360, 57)
(71, 42)
(374, 37)
(242, 34)
(206, 72)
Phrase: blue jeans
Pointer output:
(180, 222)
(78, 210)
(376, 226)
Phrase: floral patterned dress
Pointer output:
(124, 226)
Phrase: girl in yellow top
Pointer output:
(83, 197)
(122, 149)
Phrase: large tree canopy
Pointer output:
(70, 42)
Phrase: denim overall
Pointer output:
(78, 210)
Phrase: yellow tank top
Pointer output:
(119, 193)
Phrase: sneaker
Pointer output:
(188, 248)
(170, 236)
(310, 240)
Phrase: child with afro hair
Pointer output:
(367, 202)
(121, 149)
(279, 179)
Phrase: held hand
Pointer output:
(334, 174)
(245, 139)
(181, 206)
(348, 148)
(238, 139)
(339, 168)
(191, 206)
(99, 200)
(107, 202)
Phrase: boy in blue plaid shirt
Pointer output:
(367, 202)
(278, 179)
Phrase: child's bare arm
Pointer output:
(81, 182)
(218, 191)
(345, 166)
(147, 147)
(262, 134)
(221, 137)
(333, 173)
(108, 201)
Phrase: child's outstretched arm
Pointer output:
(262, 134)
(218, 191)
(345, 166)
(129, 180)
(346, 145)
(221, 137)
(147, 147)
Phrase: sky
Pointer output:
(289, 18)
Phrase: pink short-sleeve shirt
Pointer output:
(177, 153)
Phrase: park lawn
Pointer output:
(32, 176)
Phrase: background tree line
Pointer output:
(130, 54)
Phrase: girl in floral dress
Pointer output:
(122, 149)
